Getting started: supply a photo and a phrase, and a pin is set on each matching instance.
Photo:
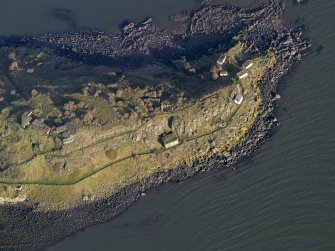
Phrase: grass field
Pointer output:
(102, 160)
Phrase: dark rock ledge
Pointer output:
(140, 43)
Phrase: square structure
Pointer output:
(221, 60)
(238, 99)
(247, 64)
(169, 139)
(242, 74)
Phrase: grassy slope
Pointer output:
(100, 175)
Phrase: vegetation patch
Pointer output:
(67, 149)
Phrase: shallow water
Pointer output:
(20, 17)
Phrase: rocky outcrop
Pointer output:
(145, 41)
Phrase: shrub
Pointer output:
(111, 154)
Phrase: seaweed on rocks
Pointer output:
(205, 28)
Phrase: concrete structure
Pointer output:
(69, 140)
(60, 129)
(223, 73)
(247, 64)
(26, 119)
(169, 139)
(238, 99)
(172, 143)
(242, 74)
(68, 136)
(39, 124)
(221, 60)
(18, 188)
(165, 106)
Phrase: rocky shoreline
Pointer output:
(49, 227)
(142, 43)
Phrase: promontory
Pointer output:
(90, 120)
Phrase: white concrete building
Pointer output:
(26, 119)
(242, 74)
(247, 64)
(238, 99)
(221, 60)
(223, 73)
(169, 139)
(172, 143)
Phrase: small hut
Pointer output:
(165, 106)
(238, 99)
(223, 73)
(26, 119)
(222, 59)
(247, 64)
(242, 74)
(169, 139)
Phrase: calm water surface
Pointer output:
(20, 17)
(35, 16)
(285, 197)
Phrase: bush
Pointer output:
(43, 104)
(111, 154)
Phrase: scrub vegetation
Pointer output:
(62, 150)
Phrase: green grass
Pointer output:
(230, 118)
(43, 104)
(102, 108)
(75, 180)
(111, 154)
(99, 141)
(168, 138)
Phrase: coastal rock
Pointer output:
(143, 42)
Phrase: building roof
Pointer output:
(26, 119)
(39, 124)
(242, 74)
(169, 137)
(221, 59)
(172, 143)
(223, 73)
(166, 102)
(238, 99)
(67, 133)
(165, 105)
(61, 129)
(247, 64)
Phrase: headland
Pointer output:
(90, 120)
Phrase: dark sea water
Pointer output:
(36, 16)
(21, 17)
(284, 197)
